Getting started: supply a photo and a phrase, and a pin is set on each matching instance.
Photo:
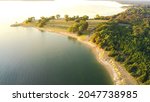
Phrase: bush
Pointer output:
(113, 53)
(147, 82)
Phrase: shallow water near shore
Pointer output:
(29, 56)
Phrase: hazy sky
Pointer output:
(20, 10)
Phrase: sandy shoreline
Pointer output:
(117, 72)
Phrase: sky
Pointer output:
(20, 10)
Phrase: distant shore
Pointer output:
(116, 71)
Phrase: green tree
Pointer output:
(52, 17)
(85, 17)
(79, 27)
(30, 19)
(42, 22)
(66, 18)
(97, 17)
(57, 16)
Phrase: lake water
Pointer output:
(29, 56)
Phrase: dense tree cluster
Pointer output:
(98, 17)
(133, 15)
(79, 27)
(127, 38)
(75, 18)
(30, 19)
(41, 22)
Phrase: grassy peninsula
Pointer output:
(120, 42)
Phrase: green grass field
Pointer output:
(63, 25)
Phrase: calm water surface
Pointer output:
(29, 56)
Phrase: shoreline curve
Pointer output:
(116, 71)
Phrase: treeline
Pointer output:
(133, 15)
(127, 38)
(98, 17)
(85, 17)
(42, 21)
